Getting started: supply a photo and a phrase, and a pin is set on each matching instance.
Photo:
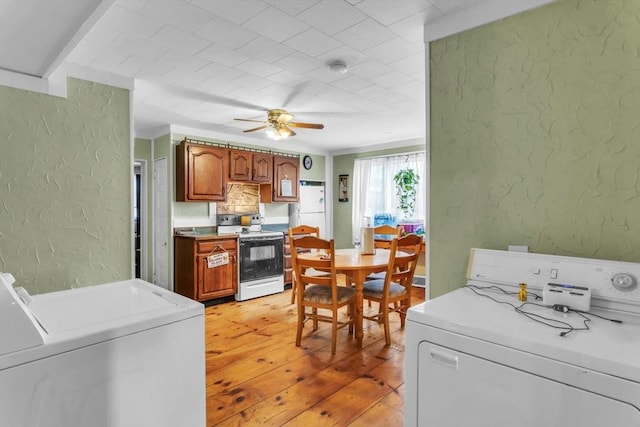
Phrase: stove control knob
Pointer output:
(624, 282)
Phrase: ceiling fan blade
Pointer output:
(204, 97)
(291, 132)
(284, 118)
(249, 120)
(255, 129)
(295, 92)
(306, 125)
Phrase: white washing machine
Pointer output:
(478, 357)
(115, 355)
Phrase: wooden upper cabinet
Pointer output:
(262, 167)
(240, 166)
(285, 179)
(201, 172)
(250, 166)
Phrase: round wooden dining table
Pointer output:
(357, 267)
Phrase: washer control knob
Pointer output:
(624, 282)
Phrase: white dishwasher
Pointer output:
(115, 355)
(478, 356)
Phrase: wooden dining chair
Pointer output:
(294, 233)
(389, 233)
(320, 291)
(393, 293)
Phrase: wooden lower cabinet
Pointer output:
(194, 278)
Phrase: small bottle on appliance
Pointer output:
(522, 295)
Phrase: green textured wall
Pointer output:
(162, 147)
(535, 131)
(317, 172)
(273, 210)
(343, 164)
(65, 185)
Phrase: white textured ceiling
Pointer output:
(201, 63)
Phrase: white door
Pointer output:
(161, 224)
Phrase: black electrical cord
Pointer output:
(553, 323)
(547, 321)
(498, 288)
(580, 312)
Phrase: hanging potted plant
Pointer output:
(406, 181)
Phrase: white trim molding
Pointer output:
(477, 15)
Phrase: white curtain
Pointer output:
(374, 191)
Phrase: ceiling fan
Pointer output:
(279, 124)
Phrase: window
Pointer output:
(374, 191)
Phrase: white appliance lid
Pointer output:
(19, 328)
(80, 317)
(606, 347)
(90, 306)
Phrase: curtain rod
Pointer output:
(382, 156)
(237, 147)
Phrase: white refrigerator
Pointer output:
(311, 208)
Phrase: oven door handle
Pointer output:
(261, 239)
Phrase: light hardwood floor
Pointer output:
(257, 376)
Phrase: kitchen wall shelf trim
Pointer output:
(238, 147)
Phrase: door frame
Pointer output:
(144, 218)
(165, 231)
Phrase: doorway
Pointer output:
(140, 219)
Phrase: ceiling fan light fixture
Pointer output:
(278, 132)
(278, 124)
(338, 67)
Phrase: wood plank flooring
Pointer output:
(257, 376)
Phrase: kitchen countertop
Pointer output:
(205, 236)
(203, 233)
(209, 233)
(276, 227)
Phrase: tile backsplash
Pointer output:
(241, 199)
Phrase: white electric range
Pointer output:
(478, 357)
(261, 256)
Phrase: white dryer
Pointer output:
(478, 356)
(115, 355)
